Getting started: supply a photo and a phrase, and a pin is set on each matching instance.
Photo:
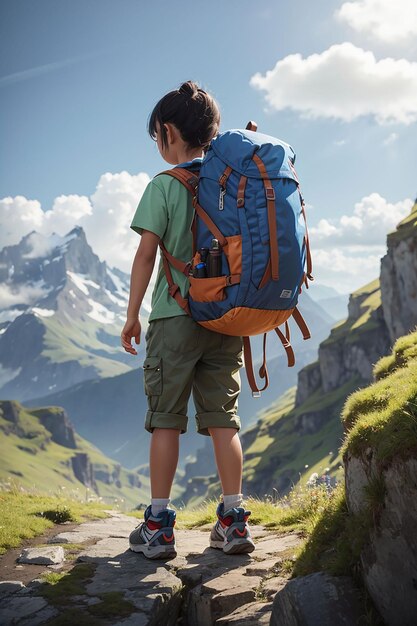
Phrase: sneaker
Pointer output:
(231, 531)
(154, 537)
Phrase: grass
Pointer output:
(62, 585)
(383, 416)
(405, 349)
(292, 512)
(25, 515)
(59, 588)
(334, 538)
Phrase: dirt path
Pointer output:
(109, 584)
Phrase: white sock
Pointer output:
(232, 501)
(159, 504)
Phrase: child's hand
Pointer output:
(131, 329)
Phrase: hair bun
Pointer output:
(189, 88)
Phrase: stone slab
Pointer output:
(43, 555)
(317, 599)
(252, 614)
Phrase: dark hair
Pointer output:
(193, 111)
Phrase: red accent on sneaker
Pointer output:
(168, 539)
(153, 525)
(241, 534)
(225, 521)
(245, 518)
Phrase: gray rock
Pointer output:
(17, 607)
(263, 567)
(252, 614)
(271, 586)
(317, 600)
(399, 283)
(136, 619)
(389, 559)
(8, 587)
(39, 618)
(42, 556)
(219, 596)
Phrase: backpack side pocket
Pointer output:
(208, 289)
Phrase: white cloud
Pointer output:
(345, 269)
(343, 82)
(347, 251)
(105, 217)
(24, 294)
(390, 139)
(372, 218)
(383, 19)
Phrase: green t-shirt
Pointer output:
(166, 209)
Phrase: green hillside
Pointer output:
(368, 299)
(384, 415)
(30, 454)
(83, 340)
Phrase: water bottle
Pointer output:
(214, 259)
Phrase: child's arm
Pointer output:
(142, 268)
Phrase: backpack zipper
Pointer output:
(221, 198)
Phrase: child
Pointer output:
(181, 355)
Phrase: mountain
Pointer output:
(330, 300)
(41, 448)
(302, 432)
(62, 310)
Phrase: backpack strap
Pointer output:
(272, 216)
(190, 181)
(300, 321)
(285, 340)
(173, 288)
(263, 372)
(188, 178)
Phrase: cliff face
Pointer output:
(399, 277)
(58, 424)
(380, 457)
(352, 347)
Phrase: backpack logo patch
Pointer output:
(286, 293)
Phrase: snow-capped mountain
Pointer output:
(61, 314)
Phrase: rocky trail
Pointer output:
(201, 585)
(107, 583)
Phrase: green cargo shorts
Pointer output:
(182, 356)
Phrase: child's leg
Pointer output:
(164, 452)
(229, 458)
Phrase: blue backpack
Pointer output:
(246, 195)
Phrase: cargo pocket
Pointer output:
(152, 375)
(208, 289)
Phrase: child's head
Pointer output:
(192, 111)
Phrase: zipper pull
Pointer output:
(221, 198)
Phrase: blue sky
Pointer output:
(78, 80)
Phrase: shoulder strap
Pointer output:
(190, 181)
(186, 177)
